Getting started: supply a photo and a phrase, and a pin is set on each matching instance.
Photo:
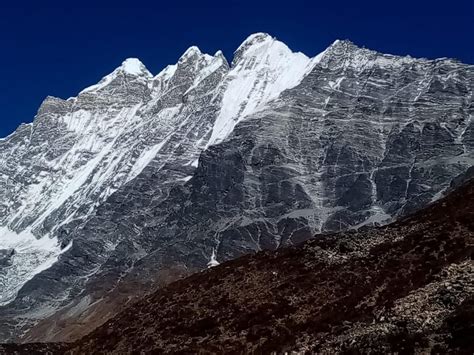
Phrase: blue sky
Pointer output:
(59, 47)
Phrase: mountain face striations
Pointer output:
(407, 287)
(404, 288)
(142, 179)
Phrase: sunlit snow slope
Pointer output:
(77, 152)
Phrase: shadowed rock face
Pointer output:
(5, 256)
(362, 138)
(406, 287)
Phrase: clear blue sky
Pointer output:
(59, 47)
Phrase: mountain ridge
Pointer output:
(169, 171)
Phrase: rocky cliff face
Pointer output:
(404, 288)
(59, 169)
(139, 179)
(407, 287)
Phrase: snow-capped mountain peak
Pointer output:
(219, 54)
(262, 69)
(130, 68)
(123, 170)
(134, 66)
(191, 51)
(254, 39)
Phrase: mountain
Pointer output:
(407, 287)
(142, 179)
(403, 287)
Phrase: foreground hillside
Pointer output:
(407, 287)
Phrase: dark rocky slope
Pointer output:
(406, 287)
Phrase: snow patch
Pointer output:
(213, 261)
(31, 256)
(186, 178)
(144, 159)
(133, 66)
(335, 84)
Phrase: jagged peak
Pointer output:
(130, 67)
(336, 46)
(259, 43)
(357, 56)
(193, 54)
(349, 46)
(342, 45)
(52, 98)
(342, 42)
(254, 39)
(250, 44)
(52, 103)
(133, 66)
(190, 52)
(219, 54)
